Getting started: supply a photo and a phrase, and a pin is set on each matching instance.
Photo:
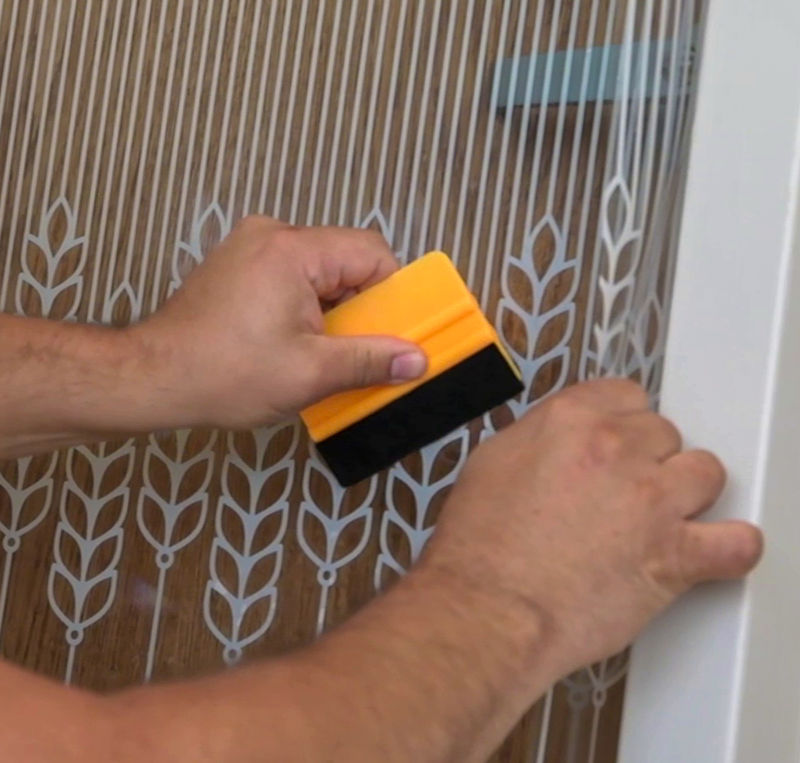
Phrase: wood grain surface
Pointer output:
(133, 133)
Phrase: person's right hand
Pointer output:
(584, 514)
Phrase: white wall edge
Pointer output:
(717, 678)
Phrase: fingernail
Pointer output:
(408, 367)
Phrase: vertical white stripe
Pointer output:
(256, 137)
(18, 212)
(11, 132)
(535, 179)
(500, 162)
(276, 114)
(112, 152)
(76, 102)
(331, 180)
(189, 156)
(424, 119)
(40, 132)
(223, 157)
(211, 106)
(177, 133)
(411, 77)
(455, 123)
(522, 142)
(26, 133)
(156, 199)
(287, 131)
(10, 38)
(387, 120)
(469, 150)
(544, 728)
(644, 51)
(433, 159)
(682, 134)
(555, 170)
(59, 109)
(244, 111)
(372, 114)
(310, 87)
(587, 368)
(121, 181)
(326, 102)
(92, 101)
(144, 252)
(649, 217)
(578, 138)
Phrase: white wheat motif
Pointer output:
(269, 481)
(588, 689)
(529, 355)
(54, 254)
(87, 553)
(21, 493)
(325, 508)
(189, 474)
(192, 252)
(123, 293)
(417, 528)
(618, 275)
(376, 217)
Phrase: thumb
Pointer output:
(365, 361)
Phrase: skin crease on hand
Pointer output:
(564, 535)
(279, 361)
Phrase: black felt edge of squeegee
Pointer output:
(467, 390)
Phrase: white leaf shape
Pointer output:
(54, 254)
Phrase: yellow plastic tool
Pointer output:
(427, 303)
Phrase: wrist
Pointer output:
(163, 385)
(519, 630)
(117, 383)
(73, 382)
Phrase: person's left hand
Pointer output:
(244, 335)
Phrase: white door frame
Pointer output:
(717, 678)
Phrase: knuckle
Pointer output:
(363, 361)
(372, 236)
(312, 365)
(633, 391)
(562, 406)
(254, 222)
(624, 392)
(667, 576)
(708, 469)
(283, 236)
(687, 558)
(648, 491)
(672, 432)
(606, 440)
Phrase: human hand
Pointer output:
(583, 514)
(243, 336)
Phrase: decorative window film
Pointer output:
(542, 144)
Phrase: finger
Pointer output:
(343, 363)
(651, 435)
(338, 260)
(718, 551)
(612, 395)
(259, 224)
(694, 481)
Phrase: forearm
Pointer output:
(430, 672)
(64, 383)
